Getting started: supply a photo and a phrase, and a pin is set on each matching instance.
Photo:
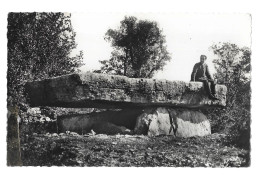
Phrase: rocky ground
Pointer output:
(72, 149)
(42, 146)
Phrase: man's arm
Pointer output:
(193, 74)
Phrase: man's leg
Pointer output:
(206, 86)
(211, 92)
(213, 87)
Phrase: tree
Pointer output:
(39, 46)
(139, 49)
(233, 70)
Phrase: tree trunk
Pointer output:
(13, 139)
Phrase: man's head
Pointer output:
(203, 59)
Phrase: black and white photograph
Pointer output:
(133, 89)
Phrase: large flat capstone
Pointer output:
(95, 90)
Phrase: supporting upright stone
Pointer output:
(178, 122)
(98, 121)
(169, 121)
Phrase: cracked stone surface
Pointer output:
(174, 122)
(92, 90)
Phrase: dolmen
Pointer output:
(133, 105)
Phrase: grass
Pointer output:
(131, 151)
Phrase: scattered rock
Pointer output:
(93, 132)
(47, 135)
(33, 111)
(74, 134)
(55, 135)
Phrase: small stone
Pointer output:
(80, 162)
(74, 134)
(47, 135)
(54, 135)
(93, 132)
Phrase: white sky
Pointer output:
(188, 35)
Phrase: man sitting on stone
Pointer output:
(201, 73)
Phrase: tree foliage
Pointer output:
(233, 70)
(139, 49)
(39, 46)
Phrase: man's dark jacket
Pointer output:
(200, 72)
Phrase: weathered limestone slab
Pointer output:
(169, 121)
(110, 91)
